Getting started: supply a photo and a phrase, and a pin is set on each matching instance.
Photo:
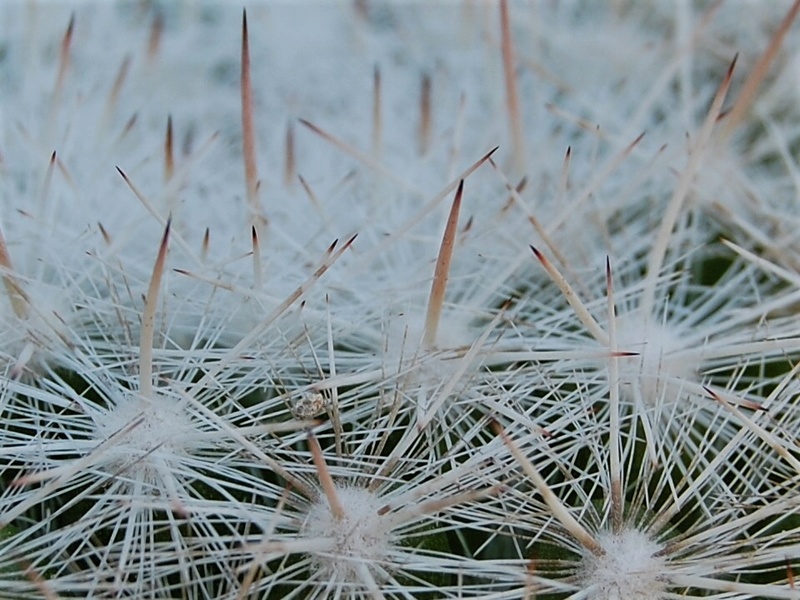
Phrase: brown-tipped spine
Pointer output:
(290, 163)
(248, 129)
(149, 318)
(377, 118)
(325, 479)
(441, 273)
(425, 117)
(512, 93)
(169, 156)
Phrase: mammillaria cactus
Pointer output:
(398, 300)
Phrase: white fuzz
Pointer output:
(629, 570)
(158, 430)
(362, 538)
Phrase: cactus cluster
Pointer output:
(399, 300)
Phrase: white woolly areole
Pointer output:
(659, 368)
(361, 538)
(629, 569)
(159, 429)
